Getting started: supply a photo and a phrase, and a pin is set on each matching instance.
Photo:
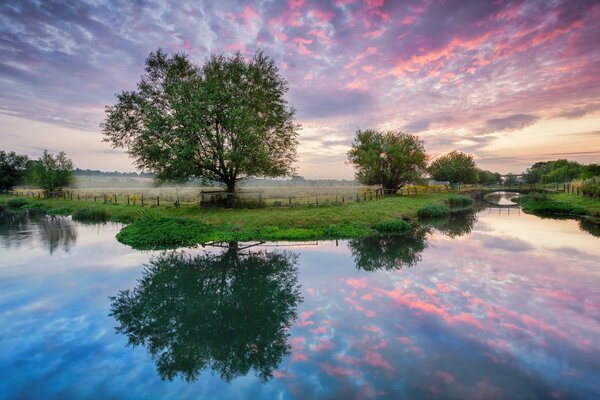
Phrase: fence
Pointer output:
(249, 199)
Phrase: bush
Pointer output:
(163, 233)
(433, 211)
(591, 187)
(34, 206)
(90, 214)
(537, 197)
(59, 211)
(395, 226)
(17, 202)
(459, 201)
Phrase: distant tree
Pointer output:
(455, 167)
(390, 159)
(13, 169)
(52, 172)
(511, 179)
(589, 171)
(225, 121)
(488, 177)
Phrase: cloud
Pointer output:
(511, 123)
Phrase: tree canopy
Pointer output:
(13, 169)
(52, 172)
(455, 167)
(224, 121)
(390, 159)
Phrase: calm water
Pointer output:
(497, 304)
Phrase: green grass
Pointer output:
(283, 223)
(395, 226)
(559, 204)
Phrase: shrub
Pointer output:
(459, 201)
(537, 197)
(90, 214)
(163, 233)
(395, 226)
(433, 211)
(34, 206)
(591, 187)
(59, 211)
(17, 202)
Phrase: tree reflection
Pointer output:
(456, 224)
(389, 252)
(590, 226)
(17, 227)
(226, 312)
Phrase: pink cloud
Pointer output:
(375, 359)
(446, 377)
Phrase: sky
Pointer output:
(511, 82)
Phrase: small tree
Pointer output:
(225, 121)
(390, 159)
(455, 167)
(53, 172)
(13, 168)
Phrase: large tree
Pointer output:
(224, 121)
(52, 172)
(13, 168)
(390, 159)
(455, 167)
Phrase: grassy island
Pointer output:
(164, 226)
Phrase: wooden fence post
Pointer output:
(142, 198)
(157, 201)
(127, 199)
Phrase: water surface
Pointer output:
(498, 304)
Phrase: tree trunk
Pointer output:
(230, 201)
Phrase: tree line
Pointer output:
(52, 172)
(228, 120)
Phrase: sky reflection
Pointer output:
(509, 309)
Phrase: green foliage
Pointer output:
(591, 187)
(164, 233)
(488, 177)
(13, 169)
(454, 167)
(17, 202)
(589, 171)
(459, 201)
(537, 197)
(511, 179)
(90, 215)
(537, 205)
(390, 159)
(52, 172)
(59, 211)
(224, 121)
(433, 211)
(394, 226)
(227, 313)
(559, 171)
(149, 214)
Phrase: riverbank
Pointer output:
(565, 204)
(155, 227)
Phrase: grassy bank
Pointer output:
(560, 204)
(189, 224)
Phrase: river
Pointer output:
(489, 304)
